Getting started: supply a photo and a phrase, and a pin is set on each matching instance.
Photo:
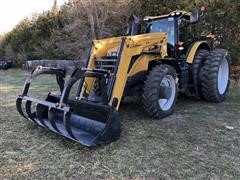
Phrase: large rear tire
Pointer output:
(198, 63)
(160, 91)
(216, 75)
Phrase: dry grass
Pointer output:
(191, 144)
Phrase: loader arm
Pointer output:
(128, 47)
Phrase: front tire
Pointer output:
(160, 91)
(216, 75)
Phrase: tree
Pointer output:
(66, 32)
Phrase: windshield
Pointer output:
(163, 25)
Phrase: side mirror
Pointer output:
(194, 16)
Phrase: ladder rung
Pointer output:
(106, 60)
(105, 66)
(109, 57)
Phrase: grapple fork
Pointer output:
(86, 122)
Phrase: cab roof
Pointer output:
(172, 14)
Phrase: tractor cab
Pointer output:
(177, 25)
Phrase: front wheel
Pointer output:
(160, 91)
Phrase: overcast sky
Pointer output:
(13, 11)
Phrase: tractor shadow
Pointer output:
(131, 109)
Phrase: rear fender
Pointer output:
(196, 46)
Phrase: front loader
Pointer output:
(90, 117)
(154, 64)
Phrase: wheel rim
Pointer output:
(223, 76)
(166, 104)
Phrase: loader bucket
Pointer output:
(83, 121)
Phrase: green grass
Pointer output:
(193, 143)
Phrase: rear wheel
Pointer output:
(198, 62)
(160, 91)
(216, 75)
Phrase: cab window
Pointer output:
(185, 30)
(163, 25)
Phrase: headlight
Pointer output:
(178, 13)
(113, 53)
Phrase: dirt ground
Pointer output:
(199, 141)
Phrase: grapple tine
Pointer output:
(51, 117)
(39, 113)
(67, 124)
(19, 107)
(29, 112)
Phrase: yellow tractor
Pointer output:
(159, 57)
